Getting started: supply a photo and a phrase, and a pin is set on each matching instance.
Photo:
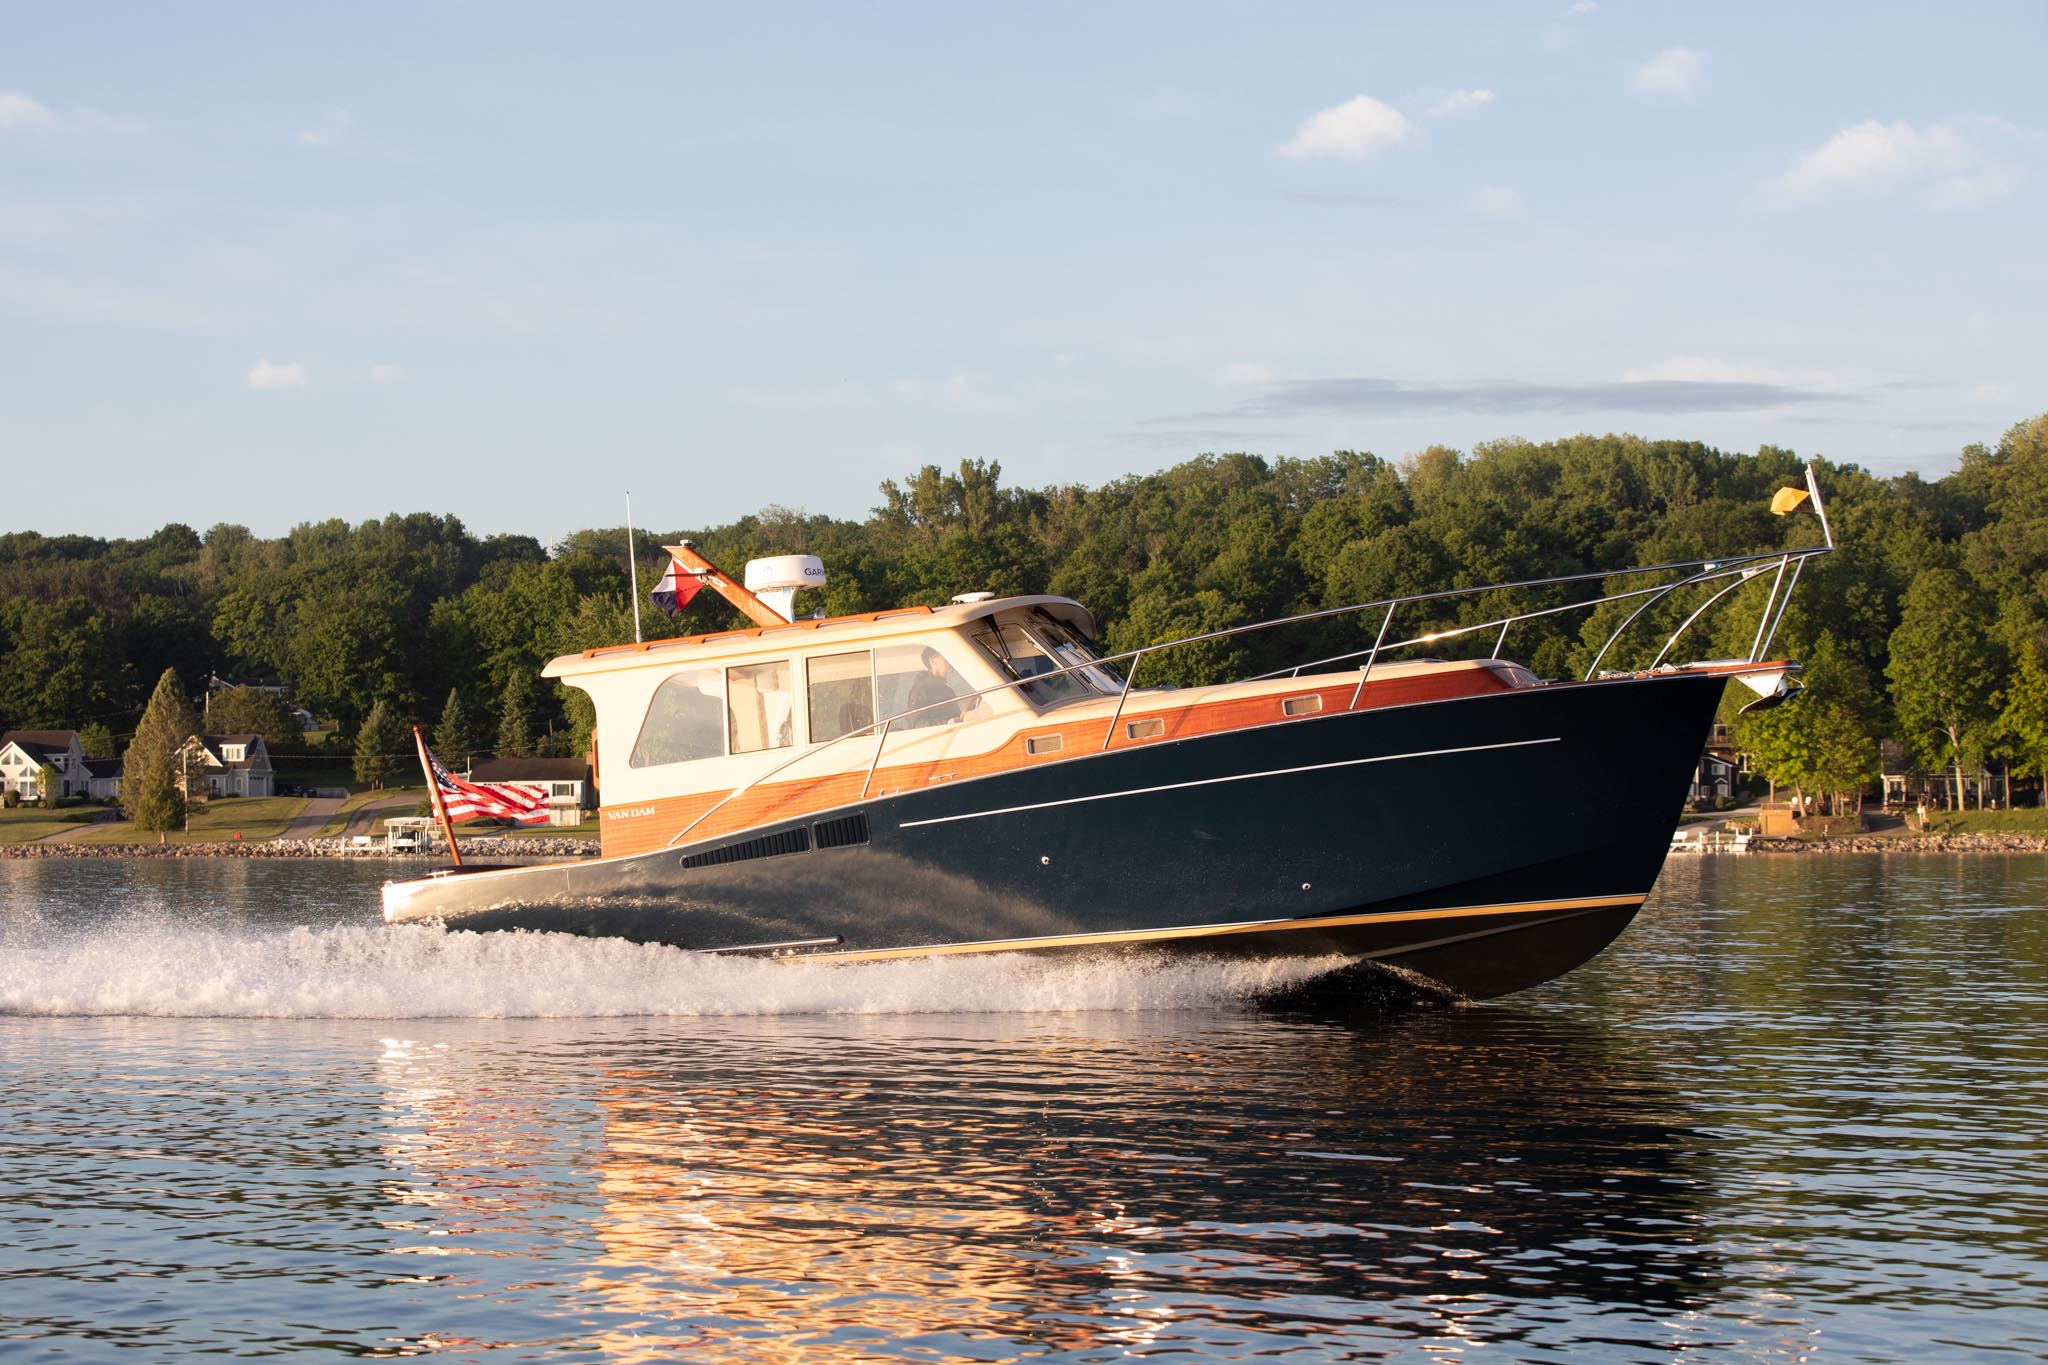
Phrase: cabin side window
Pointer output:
(842, 694)
(760, 708)
(686, 720)
(921, 678)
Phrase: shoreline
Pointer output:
(570, 849)
(1907, 843)
(538, 849)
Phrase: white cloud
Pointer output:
(1693, 369)
(1581, 8)
(1980, 187)
(1244, 372)
(386, 374)
(264, 375)
(18, 111)
(1676, 71)
(1460, 102)
(1353, 130)
(1949, 158)
(332, 128)
(1992, 391)
(1498, 201)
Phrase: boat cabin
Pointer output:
(821, 713)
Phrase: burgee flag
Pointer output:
(675, 589)
(1787, 500)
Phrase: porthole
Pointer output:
(1150, 728)
(1044, 744)
(1302, 706)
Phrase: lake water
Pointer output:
(1798, 1112)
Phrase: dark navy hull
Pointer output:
(1488, 843)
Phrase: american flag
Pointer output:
(523, 802)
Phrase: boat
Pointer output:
(981, 777)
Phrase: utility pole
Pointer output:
(185, 785)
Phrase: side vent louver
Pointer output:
(842, 832)
(796, 840)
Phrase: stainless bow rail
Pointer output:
(1737, 569)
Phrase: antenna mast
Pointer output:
(633, 566)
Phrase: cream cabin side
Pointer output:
(796, 708)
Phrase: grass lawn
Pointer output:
(253, 817)
(2032, 820)
(24, 823)
(357, 800)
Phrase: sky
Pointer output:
(273, 264)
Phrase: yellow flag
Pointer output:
(1787, 500)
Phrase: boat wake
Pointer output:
(411, 972)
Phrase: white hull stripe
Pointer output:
(1563, 909)
(1234, 777)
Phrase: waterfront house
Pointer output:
(103, 778)
(567, 781)
(232, 765)
(23, 753)
(1720, 768)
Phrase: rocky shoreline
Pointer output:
(565, 848)
(1908, 843)
(525, 849)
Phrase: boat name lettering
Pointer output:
(628, 812)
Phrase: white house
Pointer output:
(24, 752)
(567, 781)
(103, 777)
(233, 765)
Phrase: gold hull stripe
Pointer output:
(1112, 938)
(1234, 777)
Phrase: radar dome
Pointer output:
(775, 580)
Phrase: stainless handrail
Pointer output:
(1709, 570)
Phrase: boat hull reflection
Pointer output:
(1009, 1186)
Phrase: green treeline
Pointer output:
(1929, 626)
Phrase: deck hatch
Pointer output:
(796, 840)
(843, 832)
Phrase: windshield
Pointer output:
(1033, 652)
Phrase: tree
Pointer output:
(2023, 724)
(1943, 671)
(48, 783)
(60, 666)
(455, 735)
(254, 711)
(380, 744)
(96, 740)
(152, 790)
(515, 719)
(1822, 741)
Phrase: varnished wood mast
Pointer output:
(704, 571)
